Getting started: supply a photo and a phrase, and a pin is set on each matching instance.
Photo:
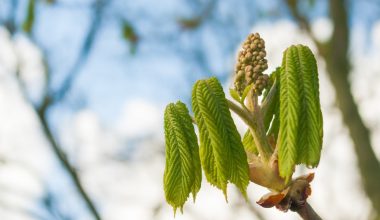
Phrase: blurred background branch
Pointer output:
(335, 54)
(53, 97)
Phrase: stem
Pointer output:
(242, 113)
(308, 213)
(269, 99)
(260, 138)
(256, 128)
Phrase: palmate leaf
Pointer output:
(221, 151)
(300, 124)
(183, 172)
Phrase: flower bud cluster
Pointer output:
(251, 64)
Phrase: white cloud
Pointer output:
(31, 66)
(376, 34)
(139, 118)
(322, 29)
(8, 59)
(22, 143)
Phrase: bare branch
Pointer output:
(10, 22)
(56, 96)
(53, 97)
(71, 170)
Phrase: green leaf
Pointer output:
(221, 151)
(245, 92)
(249, 143)
(311, 124)
(300, 117)
(274, 126)
(289, 112)
(29, 19)
(235, 95)
(270, 102)
(130, 35)
(182, 173)
(273, 76)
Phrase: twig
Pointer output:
(10, 22)
(60, 94)
(53, 97)
(245, 115)
(308, 213)
(71, 171)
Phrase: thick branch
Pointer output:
(308, 213)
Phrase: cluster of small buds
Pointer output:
(251, 64)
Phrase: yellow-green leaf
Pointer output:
(182, 174)
(249, 143)
(311, 125)
(245, 92)
(300, 125)
(235, 95)
(221, 151)
(289, 113)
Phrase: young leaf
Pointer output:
(289, 113)
(270, 102)
(249, 143)
(235, 95)
(182, 173)
(245, 92)
(29, 19)
(130, 35)
(311, 125)
(274, 126)
(221, 150)
(300, 130)
(273, 76)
